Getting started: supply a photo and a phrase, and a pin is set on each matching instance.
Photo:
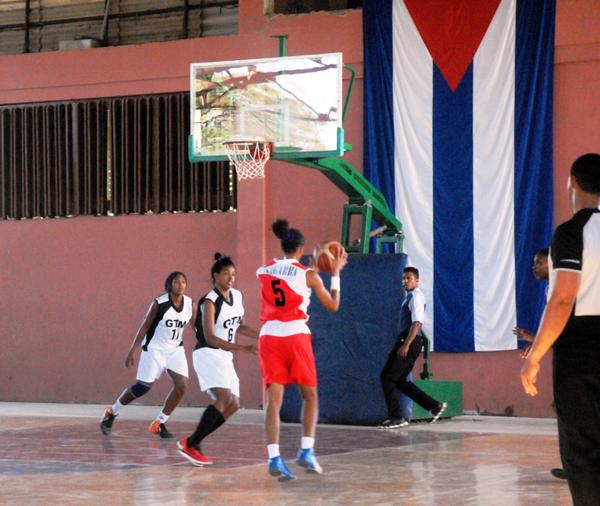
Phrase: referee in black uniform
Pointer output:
(571, 322)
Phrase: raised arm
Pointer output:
(329, 298)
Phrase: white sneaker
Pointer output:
(393, 423)
(438, 412)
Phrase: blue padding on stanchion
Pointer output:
(351, 346)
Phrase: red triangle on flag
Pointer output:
(452, 31)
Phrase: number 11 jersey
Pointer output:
(166, 330)
(285, 297)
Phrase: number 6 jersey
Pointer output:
(228, 316)
(284, 298)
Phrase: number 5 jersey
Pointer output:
(285, 297)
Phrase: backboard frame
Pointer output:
(195, 146)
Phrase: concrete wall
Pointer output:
(73, 291)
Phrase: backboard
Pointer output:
(294, 102)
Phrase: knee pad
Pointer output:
(139, 389)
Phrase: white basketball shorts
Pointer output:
(215, 370)
(154, 362)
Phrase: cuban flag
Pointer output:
(458, 137)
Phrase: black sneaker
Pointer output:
(558, 473)
(161, 429)
(107, 421)
(437, 412)
(393, 423)
(163, 432)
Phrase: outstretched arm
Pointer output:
(247, 331)
(524, 334)
(208, 325)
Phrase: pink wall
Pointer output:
(77, 290)
(576, 92)
(73, 291)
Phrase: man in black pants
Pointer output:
(571, 323)
(403, 355)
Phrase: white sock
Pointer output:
(162, 418)
(307, 442)
(273, 450)
(116, 407)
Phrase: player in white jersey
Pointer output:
(285, 343)
(220, 316)
(162, 350)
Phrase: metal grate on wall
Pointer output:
(49, 25)
(304, 6)
(101, 157)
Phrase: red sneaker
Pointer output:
(194, 455)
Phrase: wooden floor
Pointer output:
(56, 455)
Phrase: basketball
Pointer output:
(325, 253)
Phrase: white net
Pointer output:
(248, 157)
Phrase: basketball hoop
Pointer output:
(249, 157)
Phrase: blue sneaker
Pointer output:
(306, 459)
(277, 468)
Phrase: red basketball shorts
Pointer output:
(287, 360)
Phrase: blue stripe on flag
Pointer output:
(534, 58)
(453, 213)
(379, 99)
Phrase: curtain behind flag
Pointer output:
(458, 137)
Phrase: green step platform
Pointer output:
(446, 391)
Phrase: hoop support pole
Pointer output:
(350, 69)
(282, 44)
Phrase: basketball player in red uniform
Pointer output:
(285, 343)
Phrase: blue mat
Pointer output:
(351, 346)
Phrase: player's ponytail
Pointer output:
(291, 238)
(221, 262)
